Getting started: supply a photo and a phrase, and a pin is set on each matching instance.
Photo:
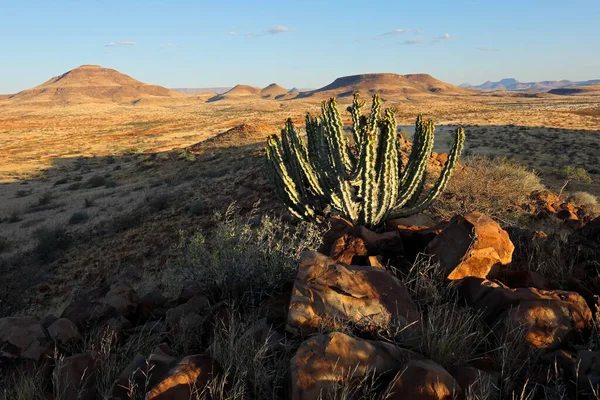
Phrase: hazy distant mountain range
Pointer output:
(511, 84)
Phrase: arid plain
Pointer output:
(122, 153)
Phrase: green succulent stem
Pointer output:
(361, 178)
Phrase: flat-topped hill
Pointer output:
(387, 84)
(92, 84)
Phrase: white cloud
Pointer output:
(121, 43)
(164, 46)
(274, 30)
(443, 38)
(277, 29)
(413, 41)
(232, 33)
(483, 48)
(397, 32)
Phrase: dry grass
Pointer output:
(496, 187)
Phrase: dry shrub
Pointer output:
(583, 199)
(495, 187)
(241, 258)
(256, 369)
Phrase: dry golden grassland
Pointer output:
(97, 191)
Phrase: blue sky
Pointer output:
(304, 43)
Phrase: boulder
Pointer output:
(425, 380)
(143, 373)
(369, 298)
(348, 244)
(546, 318)
(323, 361)
(23, 337)
(186, 379)
(471, 245)
(198, 304)
(86, 314)
(123, 298)
(74, 378)
(476, 383)
(524, 279)
(418, 220)
(63, 331)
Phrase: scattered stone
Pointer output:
(63, 331)
(187, 378)
(425, 380)
(523, 279)
(471, 245)
(86, 314)
(476, 383)
(324, 360)
(366, 297)
(23, 337)
(123, 298)
(197, 304)
(74, 378)
(546, 318)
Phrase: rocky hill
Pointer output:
(92, 84)
(217, 90)
(511, 84)
(387, 84)
(587, 90)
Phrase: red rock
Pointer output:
(325, 360)
(471, 245)
(425, 380)
(523, 279)
(74, 378)
(123, 298)
(187, 378)
(546, 318)
(367, 297)
(477, 384)
(23, 337)
(63, 331)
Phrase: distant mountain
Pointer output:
(585, 90)
(273, 91)
(92, 84)
(511, 84)
(217, 90)
(386, 84)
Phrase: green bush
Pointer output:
(583, 199)
(242, 258)
(96, 181)
(577, 174)
(51, 242)
(78, 217)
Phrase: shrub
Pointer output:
(110, 183)
(583, 199)
(45, 199)
(197, 208)
(127, 221)
(96, 181)
(364, 182)
(78, 217)
(4, 244)
(51, 242)
(577, 174)
(492, 186)
(242, 258)
(160, 202)
(74, 186)
(23, 193)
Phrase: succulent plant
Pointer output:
(361, 179)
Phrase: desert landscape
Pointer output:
(140, 238)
